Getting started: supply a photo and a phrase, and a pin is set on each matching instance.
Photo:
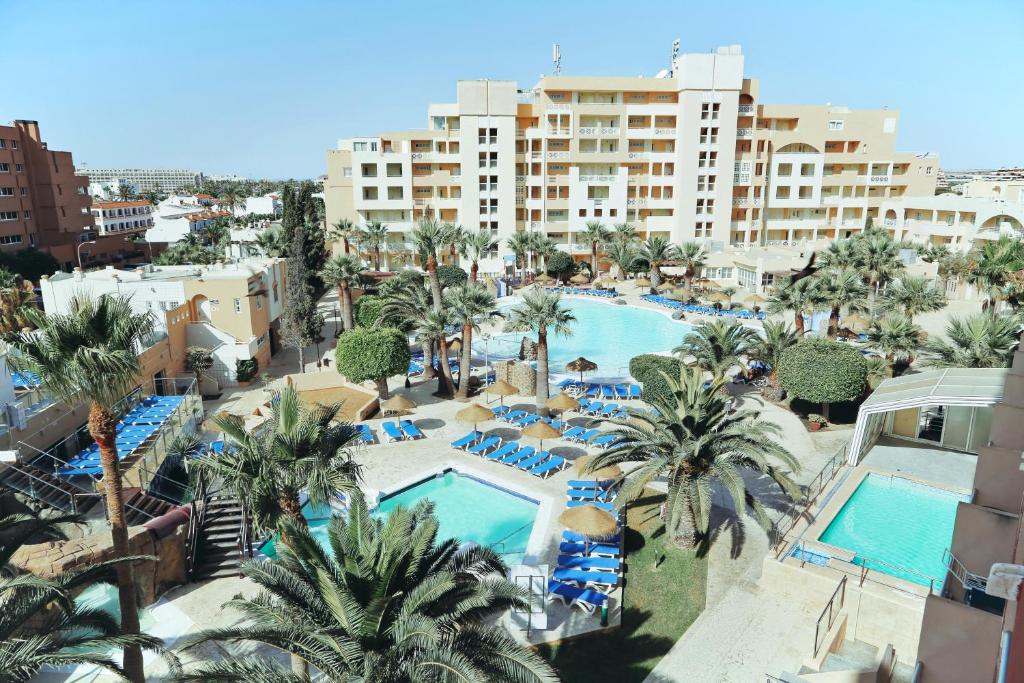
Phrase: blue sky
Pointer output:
(263, 89)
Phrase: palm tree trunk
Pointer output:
(593, 259)
(344, 242)
(435, 282)
(655, 276)
(346, 308)
(376, 258)
(833, 322)
(428, 359)
(467, 359)
(445, 383)
(473, 270)
(302, 357)
(103, 428)
(542, 373)
(798, 322)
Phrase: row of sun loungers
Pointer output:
(621, 390)
(405, 430)
(603, 293)
(743, 314)
(525, 458)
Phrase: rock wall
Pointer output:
(520, 375)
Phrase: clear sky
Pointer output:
(263, 89)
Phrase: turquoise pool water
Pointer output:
(898, 522)
(466, 508)
(608, 334)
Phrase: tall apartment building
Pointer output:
(691, 154)
(44, 203)
(144, 179)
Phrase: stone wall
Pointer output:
(520, 375)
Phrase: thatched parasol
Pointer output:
(501, 388)
(397, 404)
(563, 402)
(755, 299)
(543, 277)
(542, 430)
(642, 282)
(856, 321)
(581, 365)
(591, 522)
(473, 414)
(455, 345)
(609, 472)
(718, 296)
(579, 279)
(665, 286)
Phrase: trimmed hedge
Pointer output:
(246, 369)
(647, 370)
(372, 353)
(451, 275)
(823, 371)
(367, 310)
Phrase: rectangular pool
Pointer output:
(897, 526)
(467, 508)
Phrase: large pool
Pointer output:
(467, 508)
(608, 334)
(901, 523)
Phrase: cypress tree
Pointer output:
(302, 323)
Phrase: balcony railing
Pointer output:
(745, 109)
(746, 201)
(665, 132)
(744, 133)
(599, 178)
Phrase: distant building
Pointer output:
(133, 216)
(146, 179)
(267, 205)
(179, 215)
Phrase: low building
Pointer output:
(267, 205)
(232, 309)
(178, 215)
(118, 218)
(953, 220)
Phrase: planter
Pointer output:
(814, 426)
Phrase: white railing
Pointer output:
(744, 133)
(610, 131)
(636, 201)
(597, 178)
(741, 178)
(588, 130)
(745, 109)
(746, 201)
(558, 155)
(665, 131)
(561, 132)
(639, 155)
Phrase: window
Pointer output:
(8, 215)
(347, 172)
(14, 144)
(6, 191)
(358, 146)
(24, 192)
(19, 168)
(782, 192)
(835, 124)
(3, 143)
(238, 305)
(928, 170)
(259, 302)
(28, 214)
(5, 168)
(806, 169)
(10, 239)
(785, 170)
(369, 170)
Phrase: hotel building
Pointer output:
(122, 217)
(690, 154)
(143, 179)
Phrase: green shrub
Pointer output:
(372, 353)
(368, 310)
(559, 265)
(246, 369)
(29, 263)
(647, 370)
(451, 275)
(399, 281)
(823, 371)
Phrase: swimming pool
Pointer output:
(467, 508)
(902, 523)
(608, 334)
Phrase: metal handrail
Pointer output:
(796, 511)
(832, 611)
(969, 580)
(197, 518)
(244, 538)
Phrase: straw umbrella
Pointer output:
(501, 388)
(717, 296)
(543, 278)
(642, 282)
(665, 286)
(579, 279)
(581, 365)
(857, 321)
(563, 402)
(591, 522)
(542, 430)
(397, 404)
(474, 414)
(755, 299)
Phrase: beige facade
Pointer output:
(691, 155)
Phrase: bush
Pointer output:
(399, 281)
(29, 263)
(823, 371)
(559, 265)
(647, 370)
(639, 265)
(246, 369)
(368, 310)
(451, 276)
(819, 419)
(372, 353)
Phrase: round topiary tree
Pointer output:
(367, 310)
(648, 368)
(373, 353)
(451, 275)
(823, 371)
(560, 265)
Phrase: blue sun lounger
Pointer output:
(594, 408)
(573, 432)
(608, 410)
(607, 507)
(500, 410)
(411, 430)
(575, 537)
(522, 454)
(527, 420)
(545, 469)
(587, 599)
(585, 436)
(581, 548)
(527, 464)
(392, 431)
(468, 440)
(365, 434)
(603, 441)
(607, 391)
(513, 415)
(509, 448)
(587, 578)
(485, 445)
(608, 564)
(590, 483)
(589, 494)
(634, 391)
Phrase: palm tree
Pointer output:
(839, 288)
(840, 254)
(406, 308)
(692, 441)
(272, 243)
(428, 237)
(300, 450)
(913, 294)
(467, 304)
(880, 262)
(717, 346)
(91, 353)
(895, 337)
(16, 297)
(432, 330)
(768, 347)
(656, 251)
(544, 248)
(344, 272)
(372, 236)
(387, 602)
(541, 312)
(519, 245)
(343, 231)
(40, 623)
(232, 198)
(125, 192)
(800, 297)
(620, 255)
(995, 262)
(692, 257)
(454, 236)
(978, 341)
(477, 246)
(623, 233)
(594, 233)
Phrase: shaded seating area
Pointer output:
(524, 458)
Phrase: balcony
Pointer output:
(744, 133)
(746, 201)
(558, 155)
(558, 132)
(636, 202)
(741, 178)
(588, 131)
(745, 110)
(664, 132)
(610, 131)
(597, 178)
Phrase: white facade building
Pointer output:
(115, 218)
(179, 215)
(145, 179)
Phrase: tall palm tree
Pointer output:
(519, 245)
(692, 441)
(272, 243)
(40, 623)
(692, 257)
(594, 233)
(620, 255)
(232, 198)
(800, 297)
(467, 304)
(428, 237)
(624, 233)
(454, 237)
(717, 346)
(477, 246)
(344, 272)
(841, 288)
(432, 330)
(913, 294)
(768, 347)
(544, 247)
(541, 312)
(125, 192)
(388, 601)
(895, 337)
(91, 353)
(880, 262)
(656, 251)
(406, 308)
(977, 341)
(994, 263)
(343, 231)
(371, 236)
(845, 253)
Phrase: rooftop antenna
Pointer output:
(675, 58)
(556, 57)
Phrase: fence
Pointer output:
(831, 610)
(789, 517)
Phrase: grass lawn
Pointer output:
(660, 604)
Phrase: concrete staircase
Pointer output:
(45, 488)
(218, 553)
(858, 662)
(140, 507)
